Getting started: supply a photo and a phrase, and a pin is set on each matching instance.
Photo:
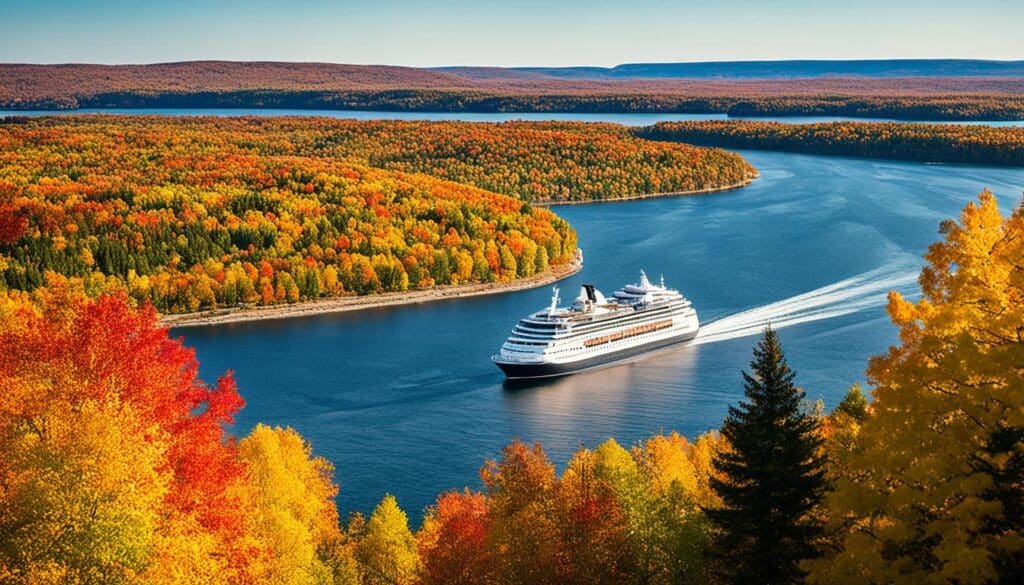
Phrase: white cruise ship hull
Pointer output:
(596, 331)
(523, 371)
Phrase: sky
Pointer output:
(485, 32)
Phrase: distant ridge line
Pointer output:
(781, 69)
(946, 89)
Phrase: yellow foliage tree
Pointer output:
(645, 520)
(183, 552)
(664, 459)
(82, 496)
(933, 494)
(668, 463)
(701, 454)
(294, 509)
(387, 551)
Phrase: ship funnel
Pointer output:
(644, 282)
(554, 301)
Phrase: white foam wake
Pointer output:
(857, 293)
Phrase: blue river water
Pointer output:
(405, 401)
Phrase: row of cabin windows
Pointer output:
(584, 329)
(592, 350)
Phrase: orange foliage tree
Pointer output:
(116, 462)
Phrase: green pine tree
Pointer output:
(771, 479)
(854, 404)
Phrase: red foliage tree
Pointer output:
(77, 349)
(453, 540)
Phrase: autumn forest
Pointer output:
(194, 214)
(944, 143)
(118, 465)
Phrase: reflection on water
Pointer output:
(604, 390)
(612, 397)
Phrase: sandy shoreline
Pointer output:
(357, 303)
(742, 183)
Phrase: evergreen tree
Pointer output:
(1002, 458)
(854, 404)
(771, 478)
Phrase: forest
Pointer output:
(944, 143)
(221, 84)
(118, 466)
(203, 213)
(983, 107)
(539, 162)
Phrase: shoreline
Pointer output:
(374, 301)
(738, 185)
(393, 299)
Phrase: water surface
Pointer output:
(405, 401)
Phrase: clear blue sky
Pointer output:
(484, 32)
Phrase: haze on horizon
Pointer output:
(485, 32)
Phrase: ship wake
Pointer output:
(857, 293)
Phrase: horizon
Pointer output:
(534, 66)
(453, 33)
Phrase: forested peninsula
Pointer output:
(220, 84)
(940, 143)
(194, 214)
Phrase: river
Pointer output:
(405, 400)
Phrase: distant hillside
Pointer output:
(764, 69)
(725, 88)
(33, 81)
(938, 143)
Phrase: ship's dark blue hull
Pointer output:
(523, 371)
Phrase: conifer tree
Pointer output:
(770, 479)
(854, 404)
(1002, 458)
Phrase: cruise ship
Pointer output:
(595, 331)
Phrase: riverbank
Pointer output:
(738, 185)
(359, 303)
